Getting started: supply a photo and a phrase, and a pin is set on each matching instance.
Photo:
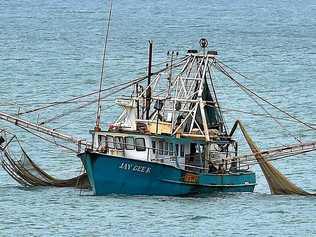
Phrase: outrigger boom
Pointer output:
(44, 130)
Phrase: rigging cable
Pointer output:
(48, 140)
(131, 83)
(260, 105)
(215, 94)
(91, 102)
(266, 101)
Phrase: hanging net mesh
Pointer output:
(278, 183)
(15, 161)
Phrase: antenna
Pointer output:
(97, 123)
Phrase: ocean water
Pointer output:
(51, 51)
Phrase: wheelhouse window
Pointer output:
(182, 150)
(110, 140)
(160, 148)
(140, 144)
(166, 150)
(129, 143)
(171, 149)
(153, 144)
(102, 142)
(118, 143)
(177, 149)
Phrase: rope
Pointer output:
(264, 100)
(227, 110)
(45, 139)
(130, 83)
(247, 91)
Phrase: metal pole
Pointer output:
(148, 91)
(98, 117)
(48, 131)
(137, 100)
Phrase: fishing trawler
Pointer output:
(171, 138)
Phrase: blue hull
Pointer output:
(111, 174)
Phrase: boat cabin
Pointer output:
(184, 153)
(174, 118)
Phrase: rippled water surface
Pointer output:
(51, 50)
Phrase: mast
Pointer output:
(98, 117)
(137, 101)
(148, 91)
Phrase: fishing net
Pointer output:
(15, 161)
(278, 183)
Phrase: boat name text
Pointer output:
(135, 168)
